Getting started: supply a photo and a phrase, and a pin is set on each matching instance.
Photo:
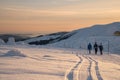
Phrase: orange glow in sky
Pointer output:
(47, 16)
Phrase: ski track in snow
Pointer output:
(72, 73)
(97, 69)
(86, 69)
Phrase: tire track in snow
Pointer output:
(99, 77)
(73, 73)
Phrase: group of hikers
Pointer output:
(96, 47)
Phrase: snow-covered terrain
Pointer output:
(46, 37)
(99, 33)
(64, 59)
(45, 63)
(77, 39)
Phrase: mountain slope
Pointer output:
(47, 39)
(80, 38)
(99, 33)
(99, 30)
(16, 36)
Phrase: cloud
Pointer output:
(10, 9)
(40, 12)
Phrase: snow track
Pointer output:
(73, 72)
(86, 69)
(96, 69)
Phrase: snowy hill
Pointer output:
(46, 39)
(99, 33)
(99, 30)
(80, 38)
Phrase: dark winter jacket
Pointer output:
(95, 46)
(101, 47)
(89, 46)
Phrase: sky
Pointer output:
(48, 16)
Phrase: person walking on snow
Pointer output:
(89, 48)
(96, 47)
(101, 48)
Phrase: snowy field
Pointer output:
(45, 63)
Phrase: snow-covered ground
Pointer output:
(109, 42)
(48, 63)
(37, 64)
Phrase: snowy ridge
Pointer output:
(46, 39)
(42, 38)
(99, 30)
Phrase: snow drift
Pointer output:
(13, 53)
